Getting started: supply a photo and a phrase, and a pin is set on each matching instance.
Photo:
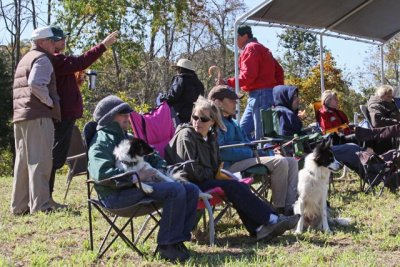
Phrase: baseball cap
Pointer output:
(59, 32)
(44, 33)
(222, 91)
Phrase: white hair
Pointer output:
(383, 90)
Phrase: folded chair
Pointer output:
(76, 158)
(157, 127)
(147, 206)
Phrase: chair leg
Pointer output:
(211, 225)
(67, 189)
(90, 225)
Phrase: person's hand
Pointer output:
(302, 114)
(110, 39)
(220, 82)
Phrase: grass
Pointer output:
(61, 239)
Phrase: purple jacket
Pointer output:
(67, 88)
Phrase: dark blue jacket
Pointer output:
(289, 122)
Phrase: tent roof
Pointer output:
(370, 19)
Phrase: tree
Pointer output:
(301, 52)
(310, 88)
(6, 130)
(370, 76)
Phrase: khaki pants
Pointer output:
(33, 163)
(284, 177)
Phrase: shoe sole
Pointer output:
(275, 230)
(279, 229)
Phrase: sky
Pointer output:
(349, 55)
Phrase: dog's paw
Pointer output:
(205, 195)
(298, 232)
(147, 188)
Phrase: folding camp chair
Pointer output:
(259, 172)
(380, 169)
(316, 107)
(147, 206)
(157, 127)
(367, 118)
(290, 146)
(76, 159)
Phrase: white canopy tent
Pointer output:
(369, 21)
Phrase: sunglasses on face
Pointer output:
(202, 119)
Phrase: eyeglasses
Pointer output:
(202, 119)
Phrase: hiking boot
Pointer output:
(181, 246)
(172, 253)
(269, 231)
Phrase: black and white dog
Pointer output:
(129, 156)
(312, 188)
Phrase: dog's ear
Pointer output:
(146, 148)
(328, 143)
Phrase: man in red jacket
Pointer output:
(259, 73)
(71, 102)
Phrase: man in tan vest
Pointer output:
(36, 105)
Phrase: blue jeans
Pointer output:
(251, 118)
(252, 211)
(346, 154)
(179, 208)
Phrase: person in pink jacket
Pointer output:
(259, 73)
(68, 89)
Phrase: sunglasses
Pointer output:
(202, 119)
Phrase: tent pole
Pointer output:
(236, 61)
(382, 66)
(321, 60)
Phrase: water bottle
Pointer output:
(92, 79)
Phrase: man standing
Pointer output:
(35, 105)
(259, 73)
(71, 103)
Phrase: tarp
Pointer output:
(377, 20)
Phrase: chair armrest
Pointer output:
(251, 145)
(119, 181)
(76, 157)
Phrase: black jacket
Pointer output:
(184, 91)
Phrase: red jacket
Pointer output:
(258, 68)
(67, 88)
(329, 118)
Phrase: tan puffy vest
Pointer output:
(27, 106)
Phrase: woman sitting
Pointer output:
(179, 201)
(198, 141)
(383, 112)
(329, 116)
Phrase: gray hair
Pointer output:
(202, 104)
(383, 90)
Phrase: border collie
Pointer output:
(313, 188)
(129, 156)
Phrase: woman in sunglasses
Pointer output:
(198, 141)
